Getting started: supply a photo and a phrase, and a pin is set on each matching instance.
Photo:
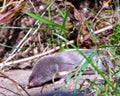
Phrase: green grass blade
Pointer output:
(91, 33)
(4, 45)
(83, 67)
(43, 20)
(90, 62)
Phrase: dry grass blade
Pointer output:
(4, 17)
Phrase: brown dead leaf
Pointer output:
(78, 15)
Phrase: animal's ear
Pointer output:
(55, 69)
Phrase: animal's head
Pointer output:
(42, 71)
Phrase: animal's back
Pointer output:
(68, 59)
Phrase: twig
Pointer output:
(103, 29)
(22, 41)
(5, 76)
(104, 5)
(52, 50)
(8, 90)
(38, 55)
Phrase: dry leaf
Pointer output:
(78, 15)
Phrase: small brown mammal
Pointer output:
(49, 65)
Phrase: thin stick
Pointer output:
(36, 56)
(5, 76)
(103, 29)
(52, 50)
(22, 41)
(8, 90)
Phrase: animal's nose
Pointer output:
(30, 85)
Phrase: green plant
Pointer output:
(91, 63)
(115, 38)
(61, 35)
